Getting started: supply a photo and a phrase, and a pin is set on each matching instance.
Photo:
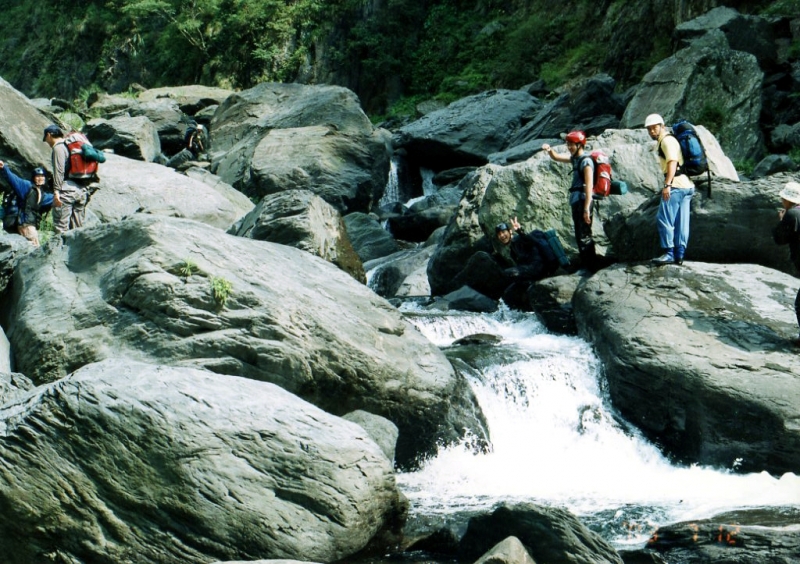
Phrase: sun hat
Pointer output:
(791, 192)
(653, 119)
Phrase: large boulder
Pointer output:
(5, 353)
(303, 220)
(132, 137)
(706, 81)
(742, 536)
(467, 131)
(12, 248)
(21, 146)
(748, 33)
(734, 226)
(535, 191)
(278, 136)
(698, 358)
(169, 121)
(387, 274)
(128, 187)
(549, 534)
(348, 172)
(191, 98)
(130, 462)
(590, 105)
(153, 288)
(370, 240)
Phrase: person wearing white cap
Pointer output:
(676, 194)
(787, 232)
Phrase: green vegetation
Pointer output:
(221, 289)
(188, 267)
(745, 167)
(46, 230)
(713, 118)
(392, 53)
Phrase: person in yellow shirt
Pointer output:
(676, 195)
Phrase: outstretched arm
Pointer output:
(20, 186)
(562, 158)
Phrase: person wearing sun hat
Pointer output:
(787, 232)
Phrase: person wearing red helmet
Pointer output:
(580, 194)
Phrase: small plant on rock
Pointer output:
(221, 289)
(46, 229)
(188, 267)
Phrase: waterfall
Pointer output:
(391, 193)
(556, 440)
(428, 187)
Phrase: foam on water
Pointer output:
(556, 440)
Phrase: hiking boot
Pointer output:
(666, 258)
(679, 260)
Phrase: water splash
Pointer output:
(556, 440)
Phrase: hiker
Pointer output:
(194, 138)
(69, 195)
(580, 195)
(533, 259)
(31, 199)
(787, 232)
(672, 218)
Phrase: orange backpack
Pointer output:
(602, 174)
(79, 167)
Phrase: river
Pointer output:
(557, 441)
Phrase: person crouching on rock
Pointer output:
(32, 200)
(787, 232)
(533, 258)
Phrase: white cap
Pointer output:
(653, 119)
(791, 192)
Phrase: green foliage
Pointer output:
(188, 267)
(745, 167)
(221, 289)
(712, 117)
(788, 8)
(46, 230)
(794, 154)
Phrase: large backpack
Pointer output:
(602, 174)
(548, 255)
(695, 161)
(83, 157)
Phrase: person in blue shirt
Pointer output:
(32, 200)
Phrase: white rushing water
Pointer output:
(556, 441)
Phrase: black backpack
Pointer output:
(546, 251)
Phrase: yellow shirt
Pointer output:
(672, 152)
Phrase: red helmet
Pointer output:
(578, 137)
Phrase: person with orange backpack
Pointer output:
(70, 187)
(580, 195)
